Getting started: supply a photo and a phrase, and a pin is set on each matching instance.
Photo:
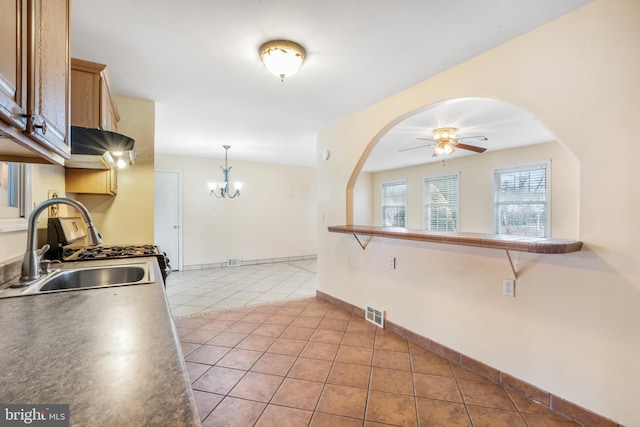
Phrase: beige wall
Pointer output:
(274, 217)
(128, 217)
(573, 327)
(476, 173)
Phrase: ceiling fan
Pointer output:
(445, 141)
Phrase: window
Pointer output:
(521, 200)
(394, 203)
(15, 180)
(9, 190)
(440, 211)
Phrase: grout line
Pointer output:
(464, 400)
(373, 350)
(413, 382)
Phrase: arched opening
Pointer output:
(495, 134)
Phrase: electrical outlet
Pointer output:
(392, 263)
(509, 287)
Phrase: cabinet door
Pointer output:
(85, 103)
(91, 181)
(13, 63)
(48, 74)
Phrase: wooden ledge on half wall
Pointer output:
(536, 245)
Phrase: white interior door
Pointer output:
(167, 212)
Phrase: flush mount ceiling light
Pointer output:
(223, 189)
(283, 58)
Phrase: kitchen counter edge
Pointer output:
(111, 353)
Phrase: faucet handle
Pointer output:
(43, 250)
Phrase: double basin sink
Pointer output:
(77, 278)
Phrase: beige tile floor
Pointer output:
(203, 291)
(305, 362)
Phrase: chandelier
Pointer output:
(223, 189)
(283, 58)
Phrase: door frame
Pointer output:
(180, 245)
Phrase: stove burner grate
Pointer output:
(100, 252)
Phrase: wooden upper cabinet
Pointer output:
(13, 61)
(34, 81)
(92, 103)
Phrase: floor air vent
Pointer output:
(375, 316)
(234, 262)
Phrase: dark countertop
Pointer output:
(111, 353)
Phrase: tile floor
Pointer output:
(305, 362)
(203, 291)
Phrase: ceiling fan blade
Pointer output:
(413, 148)
(471, 148)
(425, 139)
(478, 138)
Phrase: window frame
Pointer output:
(425, 211)
(544, 164)
(382, 200)
(25, 202)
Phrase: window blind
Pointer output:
(441, 203)
(521, 201)
(394, 203)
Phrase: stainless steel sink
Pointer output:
(68, 279)
(96, 277)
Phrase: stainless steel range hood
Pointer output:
(99, 149)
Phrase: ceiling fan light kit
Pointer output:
(444, 134)
(283, 58)
(443, 147)
(445, 139)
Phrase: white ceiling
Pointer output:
(198, 60)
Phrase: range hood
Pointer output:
(99, 149)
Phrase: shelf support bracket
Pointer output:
(515, 274)
(363, 243)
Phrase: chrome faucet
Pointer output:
(31, 261)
